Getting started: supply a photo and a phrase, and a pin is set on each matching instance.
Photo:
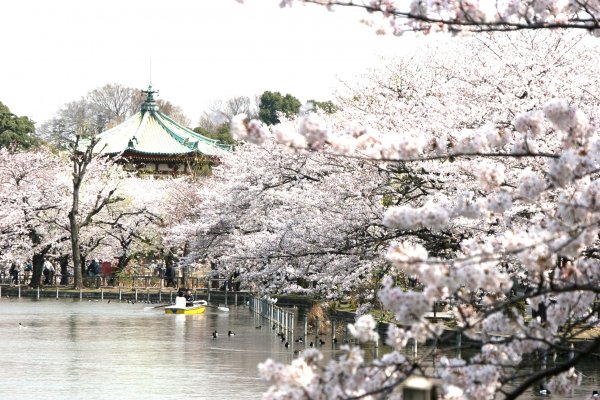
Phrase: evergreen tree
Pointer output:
(16, 131)
(272, 102)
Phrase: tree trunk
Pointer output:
(37, 263)
(123, 261)
(73, 214)
(64, 269)
(186, 269)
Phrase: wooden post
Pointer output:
(333, 324)
(305, 327)
(20, 290)
(136, 296)
(120, 297)
(57, 292)
(38, 292)
(80, 294)
(415, 348)
(101, 294)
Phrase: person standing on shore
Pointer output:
(28, 267)
(48, 272)
(14, 272)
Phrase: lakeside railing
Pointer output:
(131, 281)
(282, 320)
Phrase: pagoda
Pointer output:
(152, 143)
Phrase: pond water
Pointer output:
(100, 350)
(72, 349)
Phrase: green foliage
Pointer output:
(272, 102)
(326, 106)
(388, 200)
(222, 133)
(16, 131)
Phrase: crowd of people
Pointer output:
(20, 272)
(53, 273)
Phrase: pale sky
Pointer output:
(56, 51)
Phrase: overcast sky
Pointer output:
(56, 51)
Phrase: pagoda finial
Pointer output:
(150, 103)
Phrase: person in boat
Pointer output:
(189, 298)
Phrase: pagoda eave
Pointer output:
(135, 156)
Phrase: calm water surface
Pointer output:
(74, 349)
(100, 350)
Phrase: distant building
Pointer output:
(152, 143)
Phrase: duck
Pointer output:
(299, 340)
(229, 333)
(321, 342)
(543, 391)
(595, 394)
(215, 334)
(274, 326)
(287, 344)
(22, 326)
(311, 344)
(334, 340)
(108, 301)
(258, 327)
(282, 338)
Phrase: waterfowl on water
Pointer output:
(595, 394)
(543, 391)
(230, 333)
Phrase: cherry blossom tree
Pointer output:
(289, 222)
(501, 155)
(455, 16)
(33, 191)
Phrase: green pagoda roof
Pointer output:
(150, 132)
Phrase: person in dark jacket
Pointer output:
(14, 273)
(189, 298)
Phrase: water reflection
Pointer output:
(94, 350)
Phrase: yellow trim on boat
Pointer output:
(187, 310)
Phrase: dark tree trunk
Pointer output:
(123, 261)
(37, 263)
(64, 269)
